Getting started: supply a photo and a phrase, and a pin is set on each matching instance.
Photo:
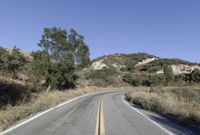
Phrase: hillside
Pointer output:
(111, 69)
(25, 53)
(22, 90)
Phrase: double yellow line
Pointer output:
(100, 127)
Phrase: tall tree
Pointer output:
(82, 55)
(59, 54)
(80, 49)
(54, 62)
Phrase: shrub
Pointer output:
(12, 94)
(193, 77)
(101, 74)
(130, 66)
(103, 77)
(11, 63)
(129, 78)
(152, 104)
(183, 103)
(186, 93)
(169, 75)
(98, 82)
(156, 80)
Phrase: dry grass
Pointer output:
(183, 103)
(40, 102)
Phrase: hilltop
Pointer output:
(111, 69)
(27, 54)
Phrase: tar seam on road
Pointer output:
(152, 121)
(100, 127)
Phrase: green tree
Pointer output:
(80, 49)
(82, 55)
(54, 62)
(60, 52)
(194, 76)
(168, 73)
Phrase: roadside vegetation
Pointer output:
(167, 94)
(60, 55)
(103, 78)
(166, 79)
(183, 103)
(38, 102)
(33, 82)
(52, 67)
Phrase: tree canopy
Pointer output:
(61, 52)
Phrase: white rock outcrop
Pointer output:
(160, 72)
(145, 61)
(182, 68)
(99, 65)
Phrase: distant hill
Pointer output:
(112, 69)
(117, 65)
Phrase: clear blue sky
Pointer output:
(166, 28)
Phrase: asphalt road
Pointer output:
(82, 117)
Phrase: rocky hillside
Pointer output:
(25, 53)
(112, 69)
(117, 65)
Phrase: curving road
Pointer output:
(95, 114)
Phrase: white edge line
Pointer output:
(44, 112)
(152, 121)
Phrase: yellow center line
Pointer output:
(100, 127)
(97, 122)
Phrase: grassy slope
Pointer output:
(183, 103)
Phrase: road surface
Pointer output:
(96, 114)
